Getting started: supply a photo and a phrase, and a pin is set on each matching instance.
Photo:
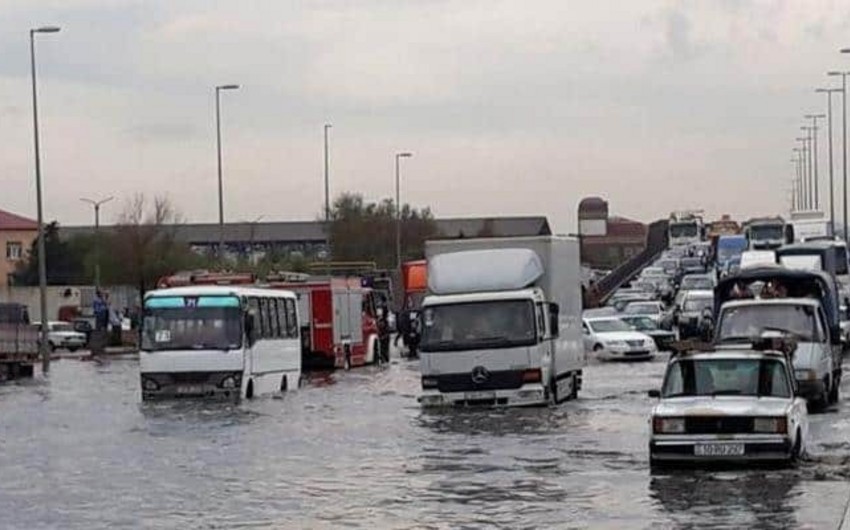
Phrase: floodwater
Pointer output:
(354, 450)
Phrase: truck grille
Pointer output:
(501, 380)
(718, 425)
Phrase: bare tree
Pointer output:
(144, 246)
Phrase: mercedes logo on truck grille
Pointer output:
(480, 375)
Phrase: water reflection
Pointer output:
(755, 499)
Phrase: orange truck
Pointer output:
(414, 277)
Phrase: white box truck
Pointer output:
(501, 324)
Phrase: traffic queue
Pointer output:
(757, 347)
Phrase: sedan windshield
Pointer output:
(729, 377)
(641, 323)
(478, 325)
(698, 305)
(192, 328)
(608, 325)
(694, 283)
(747, 322)
(642, 309)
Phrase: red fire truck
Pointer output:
(339, 319)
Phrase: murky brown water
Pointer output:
(354, 450)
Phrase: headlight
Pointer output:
(668, 425)
(149, 384)
(429, 382)
(649, 343)
(805, 375)
(770, 425)
(230, 382)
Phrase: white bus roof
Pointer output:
(219, 290)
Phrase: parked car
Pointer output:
(663, 338)
(736, 404)
(654, 310)
(611, 338)
(61, 335)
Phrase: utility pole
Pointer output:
(843, 137)
(398, 209)
(815, 118)
(218, 90)
(42, 252)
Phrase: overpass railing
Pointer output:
(657, 241)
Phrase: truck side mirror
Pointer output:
(554, 324)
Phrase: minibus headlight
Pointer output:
(149, 384)
(429, 382)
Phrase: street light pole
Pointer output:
(829, 92)
(97, 205)
(843, 137)
(810, 162)
(218, 90)
(815, 128)
(327, 182)
(398, 156)
(805, 177)
(42, 256)
(799, 161)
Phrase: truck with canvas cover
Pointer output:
(501, 324)
(800, 303)
(18, 342)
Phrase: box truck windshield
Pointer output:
(478, 325)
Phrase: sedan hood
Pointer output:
(723, 406)
(622, 335)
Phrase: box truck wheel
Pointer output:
(574, 386)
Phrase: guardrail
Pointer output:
(657, 240)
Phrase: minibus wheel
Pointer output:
(283, 384)
(249, 392)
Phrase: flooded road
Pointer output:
(355, 450)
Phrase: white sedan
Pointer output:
(728, 405)
(62, 335)
(611, 338)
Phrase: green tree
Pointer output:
(365, 231)
(65, 261)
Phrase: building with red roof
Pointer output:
(17, 234)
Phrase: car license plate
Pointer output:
(474, 396)
(719, 449)
(190, 389)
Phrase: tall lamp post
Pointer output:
(829, 92)
(42, 257)
(97, 205)
(810, 160)
(815, 128)
(805, 177)
(327, 181)
(398, 156)
(218, 90)
(795, 187)
(799, 161)
(843, 137)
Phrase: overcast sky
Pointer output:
(510, 107)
